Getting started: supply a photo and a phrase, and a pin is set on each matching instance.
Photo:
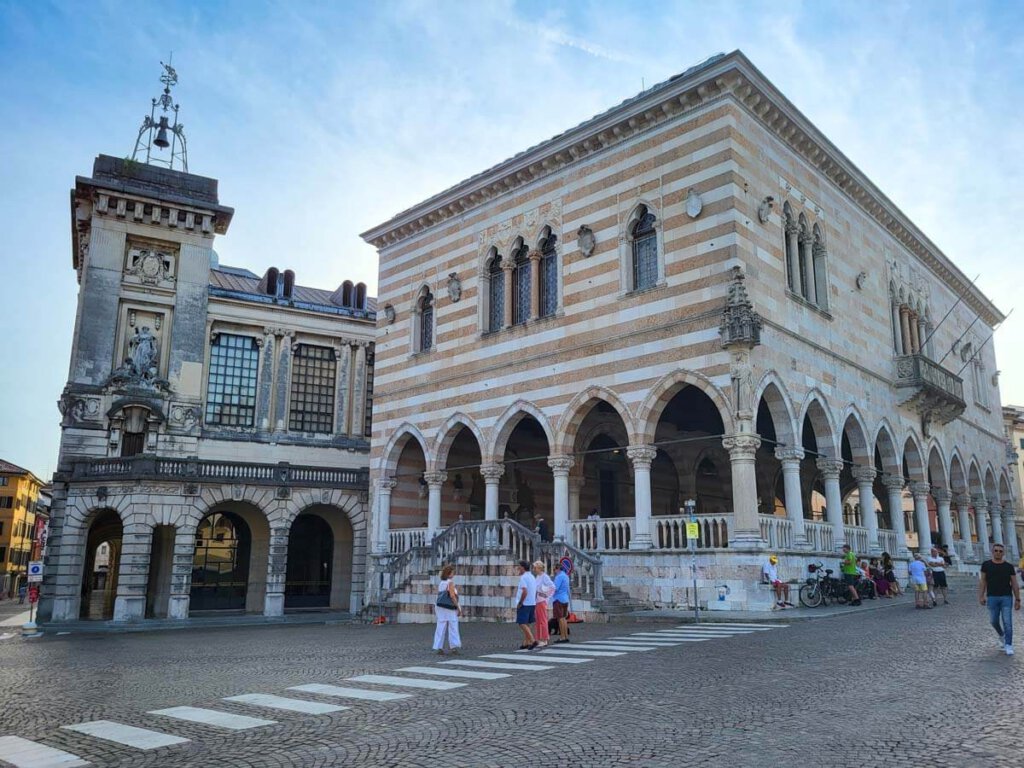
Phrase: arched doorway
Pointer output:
(220, 564)
(463, 493)
(528, 478)
(310, 556)
(102, 564)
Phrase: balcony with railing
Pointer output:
(934, 390)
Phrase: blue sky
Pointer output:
(323, 119)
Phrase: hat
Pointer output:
(773, 559)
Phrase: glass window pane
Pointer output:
(234, 362)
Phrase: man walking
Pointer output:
(526, 602)
(851, 573)
(560, 605)
(995, 586)
(937, 564)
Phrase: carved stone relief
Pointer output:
(148, 264)
(141, 353)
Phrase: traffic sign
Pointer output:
(35, 571)
(692, 530)
(566, 565)
(33, 594)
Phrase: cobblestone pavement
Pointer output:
(894, 687)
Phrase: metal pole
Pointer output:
(693, 575)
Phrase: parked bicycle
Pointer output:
(822, 588)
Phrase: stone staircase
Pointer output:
(617, 603)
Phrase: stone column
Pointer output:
(385, 486)
(746, 528)
(575, 486)
(492, 474)
(997, 523)
(942, 498)
(641, 456)
(865, 477)
(963, 503)
(435, 481)
(282, 384)
(265, 381)
(894, 485)
(790, 458)
(181, 572)
(342, 425)
(534, 285)
(922, 334)
(792, 257)
(507, 266)
(560, 466)
(277, 570)
(896, 329)
(924, 531)
(915, 339)
(133, 573)
(1010, 532)
(357, 427)
(808, 264)
(830, 469)
(908, 348)
(981, 520)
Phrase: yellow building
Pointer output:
(19, 497)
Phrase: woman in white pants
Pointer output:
(447, 611)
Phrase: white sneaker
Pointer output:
(1009, 650)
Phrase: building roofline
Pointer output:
(730, 75)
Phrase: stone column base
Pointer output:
(177, 607)
(747, 540)
(274, 604)
(129, 608)
(643, 541)
(65, 609)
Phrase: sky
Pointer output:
(322, 120)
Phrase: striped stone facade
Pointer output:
(856, 411)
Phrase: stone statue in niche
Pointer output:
(141, 366)
(143, 350)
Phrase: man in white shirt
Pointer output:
(937, 563)
(770, 575)
(526, 603)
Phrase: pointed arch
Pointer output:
(957, 476)
(773, 391)
(991, 489)
(1005, 493)
(446, 435)
(913, 458)
(816, 410)
(885, 446)
(666, 388)
(393, 450)
(937, 466)
(510, 419)
(577, 410)
(974, 478)
(857, 434)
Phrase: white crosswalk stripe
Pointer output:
(498, 665)
(129, 735)
(660, 642)
(285, 703)
(213, 717)
(761, 627)
(463, 673)
(406, 682)
(342, 692)
(578, 651)
(598, 645)
(22, 753)
(542, 659)
(682, 639)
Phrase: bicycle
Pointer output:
(822, 588)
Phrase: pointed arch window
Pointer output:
(425, 311)
(495, 293)
(549, 275)
(645, 250)
(520, 285)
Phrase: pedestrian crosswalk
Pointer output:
(405, 683)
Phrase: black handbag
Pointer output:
(444, 600)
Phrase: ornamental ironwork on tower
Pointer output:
(159, 132)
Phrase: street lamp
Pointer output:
(691, 542)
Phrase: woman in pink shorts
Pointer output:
(545, 589)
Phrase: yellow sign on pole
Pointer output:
(692, 530)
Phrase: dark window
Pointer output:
(426, 339)
(133, 443)
(3, 554)
(495, 295)
(367, 423)
(521, 286)
(1, 527)
(3, 481)
(645, 251)
(313, 378)
(231, 393)
(6, 502)
(549, 277)
(1022, 443)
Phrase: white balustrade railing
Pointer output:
(777, 531)
(889, 542)
(857, 538)
(402, 539)
(964, 550)
(819, 535)
(667, 533)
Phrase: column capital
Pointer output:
(386, 484)
(534, 255)
(435, 478)
(829, 467)
(560, 465)
(863, 474)
(508, 265)
(641, 454)
(492, 473)
(995, 510)
(742, 444)
(893, 482)
(789, 454)
(962, 499)
(980, 502)
(920, 490)
(942, 495)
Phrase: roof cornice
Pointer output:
(731, 75)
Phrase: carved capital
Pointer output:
(962, 499)
(435, 478)
(829, 468)
(980, 502)
(492, 473)
(893, 483)
(863, 474)
(996, 512)
(789, 454)
(560, 465)
(386, 484)
(942, 496)
(741, 445)
(641, 455)
(920, 490)
(535, 256)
